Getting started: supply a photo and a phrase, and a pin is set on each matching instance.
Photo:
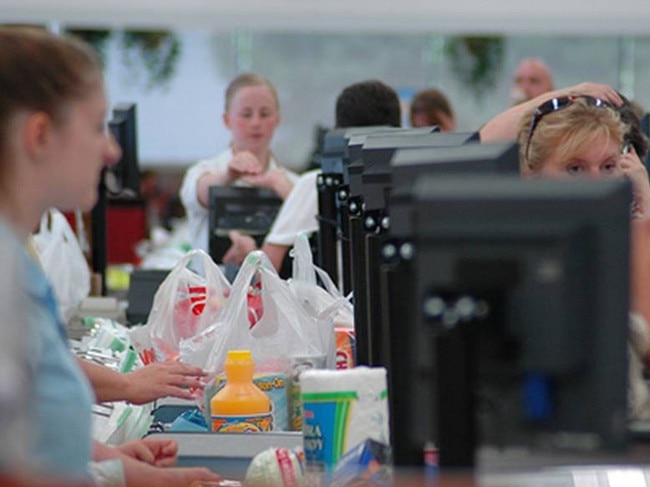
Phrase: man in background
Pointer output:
(532, 78)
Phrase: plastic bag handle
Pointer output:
(189, 257)
(302, 260)
(209, 266)
(254, 262)
(53, 222)
(304, 269)
(163, 303)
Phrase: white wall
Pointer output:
(181, 123)
(443, 16)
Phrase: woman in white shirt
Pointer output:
(252, 114)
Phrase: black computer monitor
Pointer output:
(335, 155)
(340, 147)
(508, 316)
(123, 178)
(248, 210)
(378, 150)
(408, 164)
(358, 142)
(445, 153)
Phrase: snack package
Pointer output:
(298, 365)
(369, 463)
(345, 347)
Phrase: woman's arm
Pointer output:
(504, 126)
(146, 384)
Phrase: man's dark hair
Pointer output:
(367, 104)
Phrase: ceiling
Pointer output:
(599, 17)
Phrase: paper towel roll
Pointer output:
(341, 409)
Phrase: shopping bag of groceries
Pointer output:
(283, 338)
(282, 331)
(314, 287)
(186, 303)
(63, 261)
(320, 297)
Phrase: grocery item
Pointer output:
(276, 467)
(341, 409)
(240, 407)
(298, 365)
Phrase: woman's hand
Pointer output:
(505, 125)
(159, 452)
(636, 172)
(162, 379)
(275, 179)
(244, 163)
(241, 246)
(596, 90)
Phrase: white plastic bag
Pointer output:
(63, 262)
(325, 303)
(321, 302)
(186, 303)
(126, 422)
(284, 330)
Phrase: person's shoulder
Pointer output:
(307, 179)
(310, 175)
(12, 249)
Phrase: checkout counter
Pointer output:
(229, 454)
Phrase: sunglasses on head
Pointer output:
(555, 104)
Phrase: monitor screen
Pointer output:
(335, 145)
(341, 147)
(509, 327)
(357, 142)
(248, 210)
(407, 164)
(123, 178)
(378, 151)
(433, 154)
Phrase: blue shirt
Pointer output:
(14, 372)
(60, 406)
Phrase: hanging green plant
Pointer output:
(476, 61)
(98, 38)
(156, 51)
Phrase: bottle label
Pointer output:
(299, 364)
(246, 423)
(274, 385)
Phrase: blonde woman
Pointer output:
(578, 136)
(251, 113)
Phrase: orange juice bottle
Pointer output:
(240, 407)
